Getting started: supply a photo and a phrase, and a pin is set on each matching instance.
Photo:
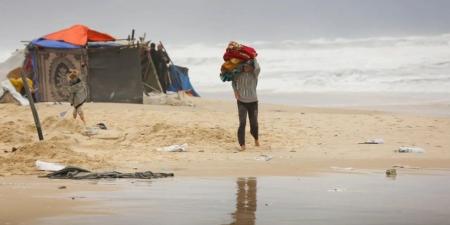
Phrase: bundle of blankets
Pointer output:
(235, 57)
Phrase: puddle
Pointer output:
(330, 199)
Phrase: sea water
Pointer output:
(327, 199)
(413, 66)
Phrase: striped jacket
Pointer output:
(245, 84)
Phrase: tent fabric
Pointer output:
(78, 35)
(115, 75)
(53, 44)
(180, 80)
(6, 85)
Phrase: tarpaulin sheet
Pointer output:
(78, 35)
(180, 80)
(115, 75)
(53, 44)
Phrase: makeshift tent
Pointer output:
(112, 72)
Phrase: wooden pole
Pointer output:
(30, 99)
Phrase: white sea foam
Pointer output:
(385, 64)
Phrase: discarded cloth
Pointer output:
(76, 173)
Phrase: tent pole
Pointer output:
(30, 99)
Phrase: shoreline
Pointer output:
(426, 104)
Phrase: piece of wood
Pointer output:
(33, 108)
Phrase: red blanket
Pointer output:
(241, 52)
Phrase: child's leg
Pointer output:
(74, 113)
(80, 112)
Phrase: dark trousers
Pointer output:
(252, 110)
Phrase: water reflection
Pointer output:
(245, 202)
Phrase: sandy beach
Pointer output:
(297, 140)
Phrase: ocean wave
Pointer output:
(384, 64)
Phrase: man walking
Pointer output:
(244, 85)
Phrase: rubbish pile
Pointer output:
(236, 56)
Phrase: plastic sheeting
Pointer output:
(78, 35)
(53, 44)
(6, 85)
(180, 80)
(115, 75)
(16, 60)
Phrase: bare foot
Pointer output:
(257, 143)
(242, 147)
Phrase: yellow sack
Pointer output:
(18, 83)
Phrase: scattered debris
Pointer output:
(292, 151)
(62, 114)
(411, 150)
(13, 149)
(341, 168)
(201, 151)
(263, 158)
(405, 167)
(48, 166)
(336, 189)
(375, 141)
(62, 187)
(391, 172)
(76, 173)
(90, 131)
(174, 148)
(102, 126)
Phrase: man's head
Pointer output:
(73, 74)
(152, 46)
(248, 66)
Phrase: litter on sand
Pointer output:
(263, 158)
(375, 141)
(411, 150)
(48, 166)
(102, 126)
(174, 148)
(341, 168)
(336, 189)
(76, 173)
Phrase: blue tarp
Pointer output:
(180, 80)
(53, 44)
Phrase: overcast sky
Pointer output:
(211, 21)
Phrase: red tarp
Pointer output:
(78, 35)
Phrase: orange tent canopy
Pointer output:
(78, 35)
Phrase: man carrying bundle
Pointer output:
(244, 82)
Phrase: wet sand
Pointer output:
(24, 199)
(357, 197)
